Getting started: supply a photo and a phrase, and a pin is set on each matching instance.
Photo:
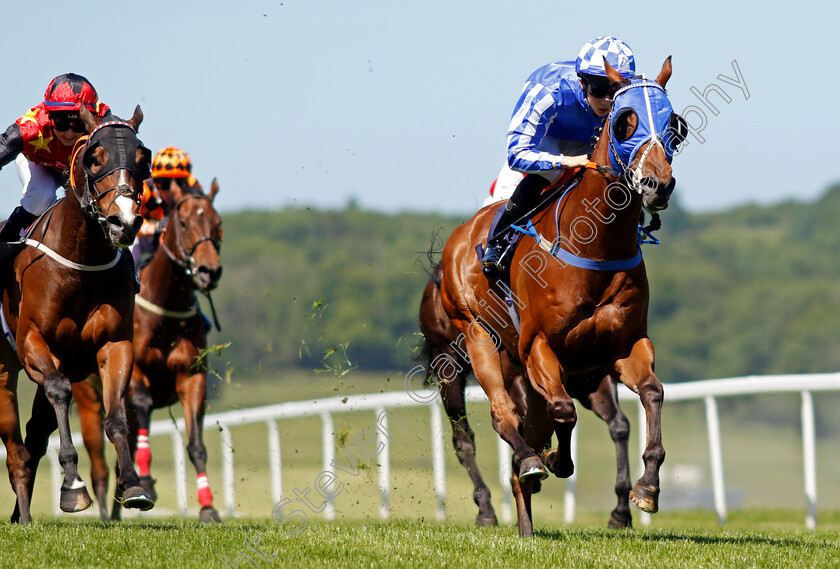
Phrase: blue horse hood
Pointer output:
(650, 103)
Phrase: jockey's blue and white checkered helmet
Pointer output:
(590, 60)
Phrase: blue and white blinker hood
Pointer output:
(654, 111)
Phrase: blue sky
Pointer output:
(403, 106)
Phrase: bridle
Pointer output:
(184, 258)
(91, 197)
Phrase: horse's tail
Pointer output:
(432, 266)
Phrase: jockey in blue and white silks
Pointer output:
(553, 128)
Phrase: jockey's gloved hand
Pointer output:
(574, 161)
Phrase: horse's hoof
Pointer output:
(487, 520)
(148, 483)
(619, 521)
(74, 499)
(551, 459)
(532, 468)
(137, 498)
(209, 514)
(646, 498)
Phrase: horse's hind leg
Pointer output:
(636, 372)
(90, 415)
(74, 494)
(40, 426)
(192, 393)
(522, 492)
(17, 456)
(604, 403)
(463, 439)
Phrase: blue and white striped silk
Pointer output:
(551, 117)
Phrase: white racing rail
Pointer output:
(708, 391)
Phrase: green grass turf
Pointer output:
(763, 465)
(689, 540)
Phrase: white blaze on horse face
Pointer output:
(125, 203)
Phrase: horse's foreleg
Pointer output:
(17, 456)
(192, 393)
(604, 403)
(90, 416)
(549, 395)
(636, 372)
(463, 439)
(74, 494)
(116, 360)
(487, 367)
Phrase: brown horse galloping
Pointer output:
(69, 309)
(580, 292)
(446, 362)
(170, 340)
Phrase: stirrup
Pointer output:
(495, 259)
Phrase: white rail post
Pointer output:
(328, 441)
(52, 452)
(570, 498)
(809, 458)
(180, 472)
(438, 466)
(228, 473)
(504, 480)
(384, 463)
(716, 455)
(275, 461)
(644, 517)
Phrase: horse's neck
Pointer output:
(67, 231)
(599, 217)
(169, 286)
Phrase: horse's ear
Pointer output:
(175, 191)
(613, 75)
(91, 121)
(665, 73)
(214, 189)
(136, 119)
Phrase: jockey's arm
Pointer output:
(11, 144)
(536, 110)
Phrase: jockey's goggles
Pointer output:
(598, 87)
(64, 124)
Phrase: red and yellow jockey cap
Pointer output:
(68, 92)
(173, 162)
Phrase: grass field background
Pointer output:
(763, 460)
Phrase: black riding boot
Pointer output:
(524, 198)
(19, 219)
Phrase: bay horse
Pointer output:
(446, 362)
(68, 306)
(170, 342)
(578, 292)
